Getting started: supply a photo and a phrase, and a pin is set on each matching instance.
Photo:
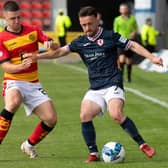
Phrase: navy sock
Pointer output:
(129, 126)
(89, 136)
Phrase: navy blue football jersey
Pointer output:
(100, 56)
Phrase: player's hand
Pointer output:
(26, 63)
(55, 46)
(51, 45)
(157, 61)
(30, 56)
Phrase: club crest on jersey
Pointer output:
(100, 42)
(32, 37)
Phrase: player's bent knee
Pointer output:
(51, 120)
(118, 118)
(51, 123)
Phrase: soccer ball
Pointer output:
(113, 152)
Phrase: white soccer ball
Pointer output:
(113, 152)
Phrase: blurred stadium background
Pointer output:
(43, 13)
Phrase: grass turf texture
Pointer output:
(65, 148)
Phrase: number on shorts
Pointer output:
(42, 91)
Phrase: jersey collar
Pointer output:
(96, 36)
(14, 32)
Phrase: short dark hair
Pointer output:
(148, 19)
(11, 6)
(87, 11)
(124, 4)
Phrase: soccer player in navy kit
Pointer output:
(98, 50)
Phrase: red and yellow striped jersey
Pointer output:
(14, 45)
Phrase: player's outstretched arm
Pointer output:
(140, 50)
(52, 54)
(8, 67)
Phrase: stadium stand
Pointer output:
(37, 12)
(25, 5)
(26, 14)
(26, 21)
(36, 5)
(37, 22)
(47, 5)
(47, 14)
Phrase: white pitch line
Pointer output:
(134, 91)
(144, 96)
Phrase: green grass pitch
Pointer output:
(64, 147)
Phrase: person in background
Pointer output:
(149, 35)
(126, 25)
(21, 83)
(98, 50)
(62, 24)
(2, 24)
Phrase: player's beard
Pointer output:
(90, 33)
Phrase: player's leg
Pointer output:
(92, 104)
(151, 48)
(47, 114)
(122, 63)
(129, 61)
(121, 60)
(116, 112)
(115, 106)
(62, 41)
(89, 110)
(12, 100)
(36, 101)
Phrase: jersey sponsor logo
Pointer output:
(20, 41)
(122, 39)
(1, 53)
(12, 44)
(100, 42)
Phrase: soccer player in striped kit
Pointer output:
(21, 83)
